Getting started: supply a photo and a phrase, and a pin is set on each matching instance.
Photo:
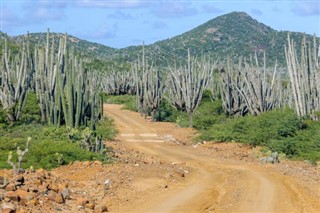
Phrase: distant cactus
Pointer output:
(59, 158)
(4, 182)
(186, 83)
(149, 86)
(17, 166)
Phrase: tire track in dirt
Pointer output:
(213, 185)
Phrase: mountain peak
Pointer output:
(232, 35)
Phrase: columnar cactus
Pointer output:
(65, 88)
(186, 84)
(304, 73)
(118, 82)
(249, 88)
(149, 86)
(15, 76)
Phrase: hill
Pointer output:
(231, 35)
(85, 47)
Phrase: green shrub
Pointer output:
(208, 113)
(50, 146)
(31, 111)
(256, 130)
(105, 128)
(279, 130)
(43, 154)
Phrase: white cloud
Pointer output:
(9, 19)
(173, 9)
(256, 12)
(120, 15)
(112, 3)
(307, 8)
(104, 31)
(209, 8)
(159, 25)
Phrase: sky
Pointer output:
(123, 23)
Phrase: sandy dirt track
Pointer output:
(212, 184)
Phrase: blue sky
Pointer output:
(122, 23)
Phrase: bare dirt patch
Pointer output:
(158, 169)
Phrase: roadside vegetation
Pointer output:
(244, 100)
(50, 146)
(55, 108)
(279, 130)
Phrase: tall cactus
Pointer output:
(304, 73)
(118, 82)
(186, 84)
(230, 81)
(15, 76)
(149, 87)
(262, 89)
(62, 86)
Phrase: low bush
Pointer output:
(208, 113)
(51, 146)
(279, 130)
(31, 111)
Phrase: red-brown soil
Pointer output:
(158, 169)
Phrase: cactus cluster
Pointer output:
(118, 82)
(186, 84)
(15, 77)
(149, 86)
(248, 87)
(65, 88)
(304, 74)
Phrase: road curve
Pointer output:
(213, 185)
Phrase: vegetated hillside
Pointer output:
(85, 47)
(231, 35)
(234, 34)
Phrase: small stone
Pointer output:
(80, 207)
(34, 202)
(137, 164)
(86, 163)
(104, 208)
(25, 196)
(63, 185)
(53, 187)
(11, 187)
(52, 195)
(8, 211)
(43, 189)
(98, 163)
(33, 189)
(7, 205)
(108, 183)
(11, 195)
(65, 193)
(1, 180)
(59, 199)
(18, 179)
(91, 204)
(81, 201)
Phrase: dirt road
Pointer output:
(213, 185)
